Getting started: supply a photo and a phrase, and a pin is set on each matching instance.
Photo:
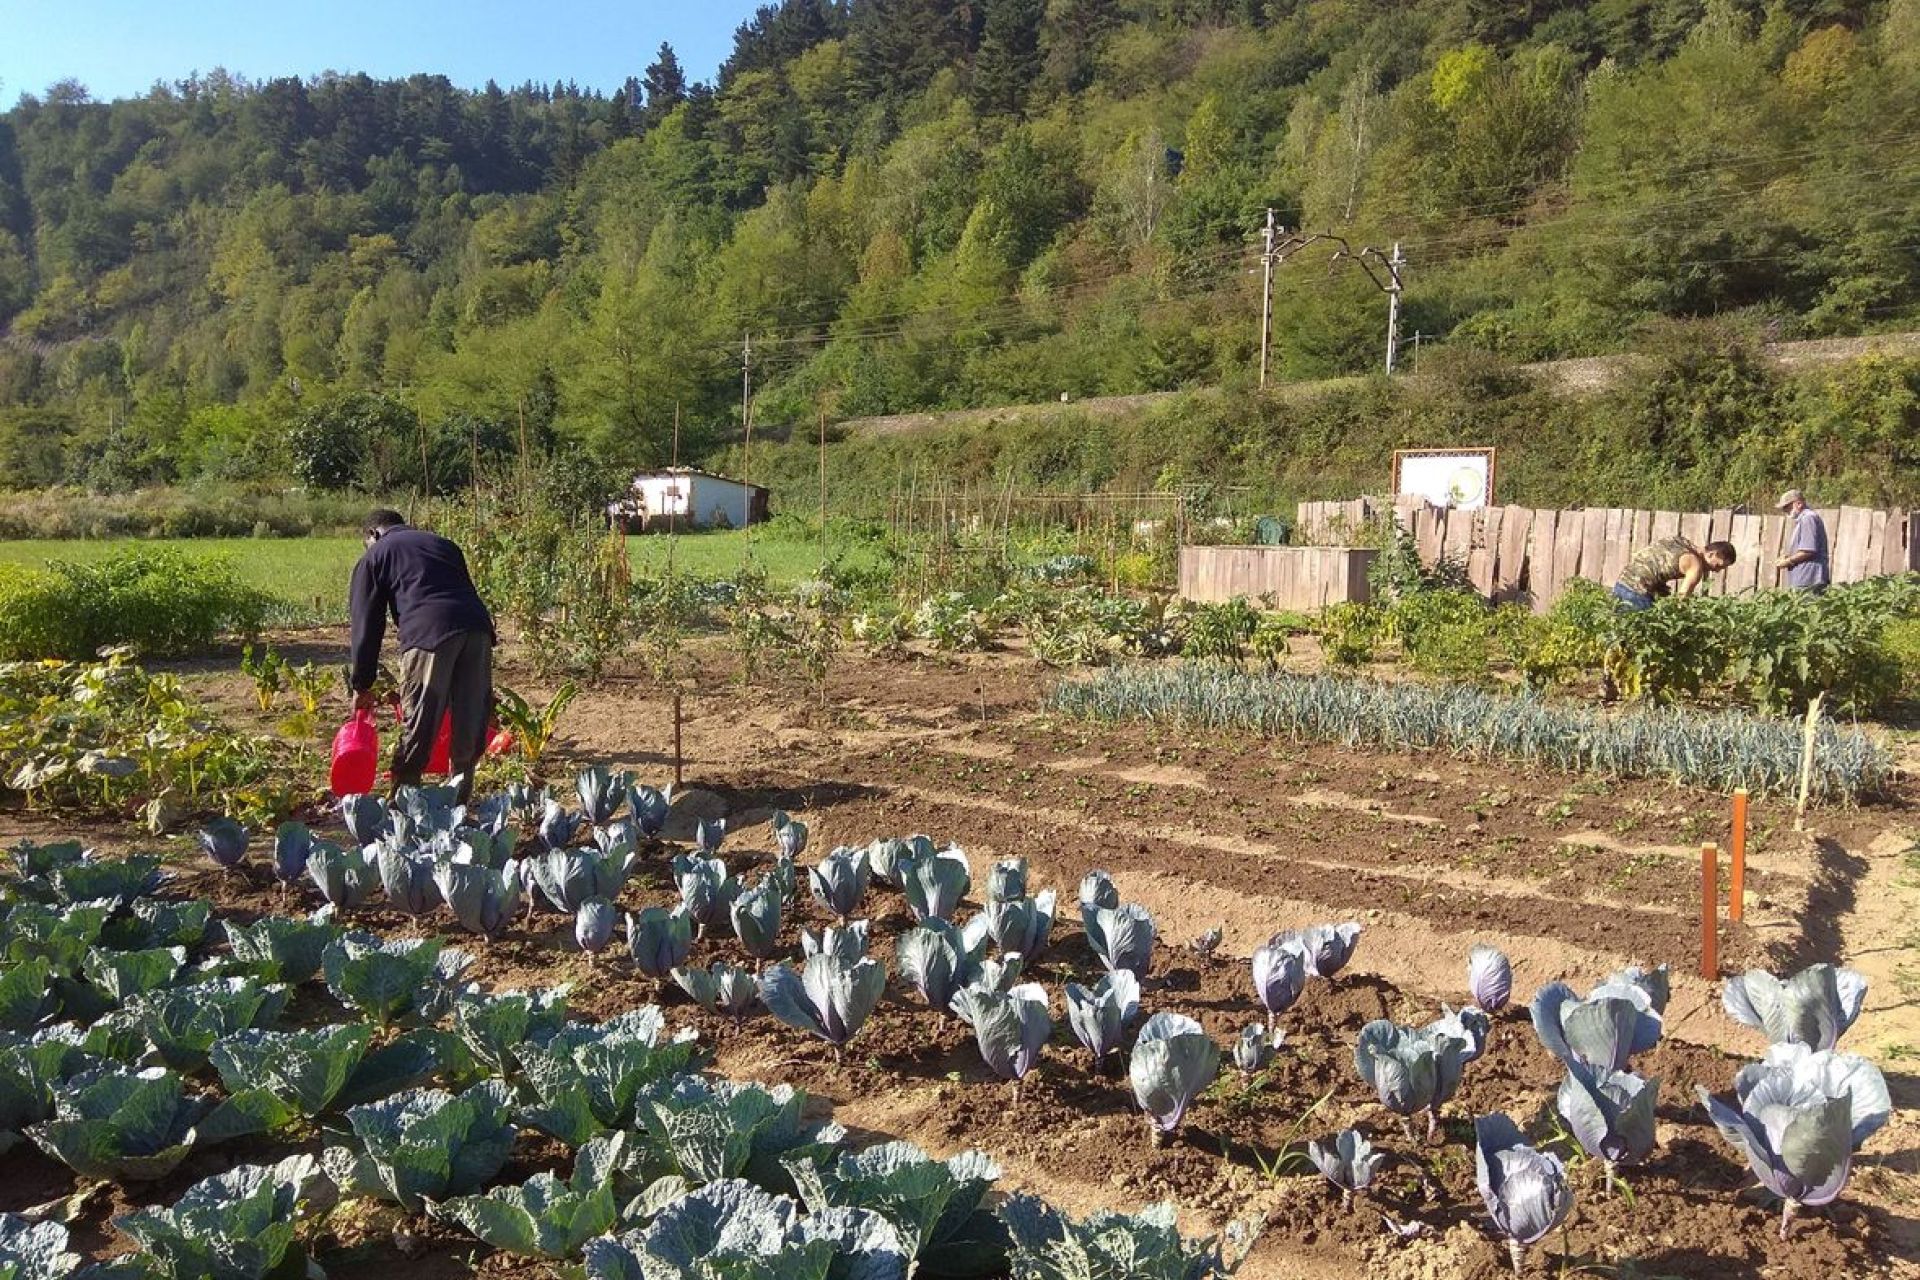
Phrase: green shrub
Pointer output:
(1221, 631)
(1349, 631)
(161, 602)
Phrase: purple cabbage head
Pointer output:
(1489, 978)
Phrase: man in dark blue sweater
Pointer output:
(446, 642)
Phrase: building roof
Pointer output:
(697, 471)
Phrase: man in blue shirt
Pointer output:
(1806, 558)
(446, 643)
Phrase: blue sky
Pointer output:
(118, 48)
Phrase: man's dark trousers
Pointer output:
(458, 675)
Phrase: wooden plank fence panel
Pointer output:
(1744, 576)
(1429, 533)
(1616, 550)
(1642, 531)
(1516, 526)
(1849, 545)
(1894, 555)
(1876, 544)
(1543, 584)
(1457, 542)
(1566, 549)
(1666, 524)
(1593, 542)
(1773, 544)
(1484, 557)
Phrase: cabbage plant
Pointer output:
(124, 1125)
(1279, 974)
(1254, 1049)
(733, 1228)
(1796, 1136)
(593, 926)
(279, 948)
(426, 1144)
(721, 988)
(708, 833)
(756, 919)
(1099, 1014)
(237, 1225)
(847, 941)
(1019, 923)
(366, 817)
(1489, 978)
(491, 1025)
(1469, 1026)
(31, 1068)
(1411, 1069)
(649, 806)
(935, 1205)
(119, 881)
(659, 940)
(38, 1251)
(225, 842)
(1609, 1113)
(546, 1217)
(1348, 1162)
(789, 835)
(601, 792)
(589, 1078)
(706, 889)
(1796, 1069)
(703, 1131)
(829, 997)
(342, 875)
(310, 1071)
(182, 1024)
(1011, 1027)
(1007, 881)
(557, 826)
(292, 845)
(1617, 1020)
(482, 899)
(1120, 937)
(934, 885)
(1146, 1245)
(1814, 1007)
(938, 959)
(1173, 1060)
(388, 979)
(1327, 947)
(159, 922)
(408, 880)
(839, 881)
(1526, 1191)
(887, 859)
(1097, 890)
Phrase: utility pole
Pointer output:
(1266, 297)
(1275, 245)
(1394, 264)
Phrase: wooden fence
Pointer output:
(1517, 553)
(1298, 578)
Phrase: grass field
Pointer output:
(303, 571)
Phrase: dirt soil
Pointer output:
(1573, 877)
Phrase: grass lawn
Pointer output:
(301, 570)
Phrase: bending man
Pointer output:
(1671, 566)
(446, 643)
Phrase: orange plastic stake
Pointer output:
(1737, 886)
(1709, 917)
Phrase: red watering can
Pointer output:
(356, 756)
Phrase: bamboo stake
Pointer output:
(1709, 921)
(1806, 761)
(679, 761)
(1737, 886)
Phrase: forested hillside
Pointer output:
(917, 203)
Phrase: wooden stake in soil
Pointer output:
(1737, 885)
(1709, 916)
(678, 760)
(1806, 761)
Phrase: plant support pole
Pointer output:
(1709, 922)
(1806, 761)
(679, 761)
(1737, 884)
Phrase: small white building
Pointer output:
(688, 498)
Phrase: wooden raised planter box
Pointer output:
(1302, 579)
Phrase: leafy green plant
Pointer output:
(1221, 631)
(1349, 631)
(426, 1144)
(268, 671)
(546, 1217)
(133, 1126)
(590, 1078)
(533, 726)
(237, 1225)
(163, 603)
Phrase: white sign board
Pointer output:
(1461, 478)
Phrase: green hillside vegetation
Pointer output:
(349, 283)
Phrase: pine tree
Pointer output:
(1009, 58)
(666, 86)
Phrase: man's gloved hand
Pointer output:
(363, 700)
